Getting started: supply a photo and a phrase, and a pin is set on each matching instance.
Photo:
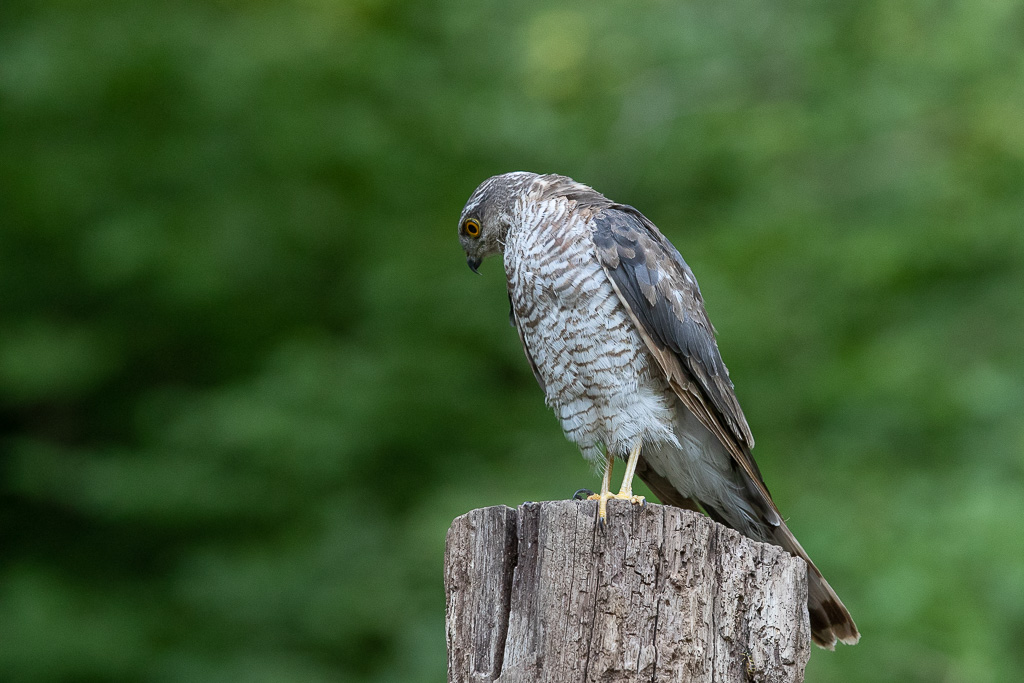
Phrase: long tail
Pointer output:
(830, 620)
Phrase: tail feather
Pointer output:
(830, 620)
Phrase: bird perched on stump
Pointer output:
(613, 325)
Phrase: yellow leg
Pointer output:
(625, 492)
(602, 498)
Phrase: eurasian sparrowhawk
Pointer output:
(613, 324)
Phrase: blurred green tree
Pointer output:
(246, 381)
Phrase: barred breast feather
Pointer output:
(596, 374)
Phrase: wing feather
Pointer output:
(663, 299)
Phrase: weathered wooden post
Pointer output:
(541, 593)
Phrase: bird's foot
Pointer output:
(603, 498)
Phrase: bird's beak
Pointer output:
(473, 264)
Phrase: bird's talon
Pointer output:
(584, 494)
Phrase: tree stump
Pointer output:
(543, 593)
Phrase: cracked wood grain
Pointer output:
(542, 593)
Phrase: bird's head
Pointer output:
(488, 214)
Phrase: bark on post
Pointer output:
(541, 593)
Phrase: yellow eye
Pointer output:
(472, 227)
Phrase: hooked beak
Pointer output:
(473, 264)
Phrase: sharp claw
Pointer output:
(582, 494)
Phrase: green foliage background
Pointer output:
(246, 380)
